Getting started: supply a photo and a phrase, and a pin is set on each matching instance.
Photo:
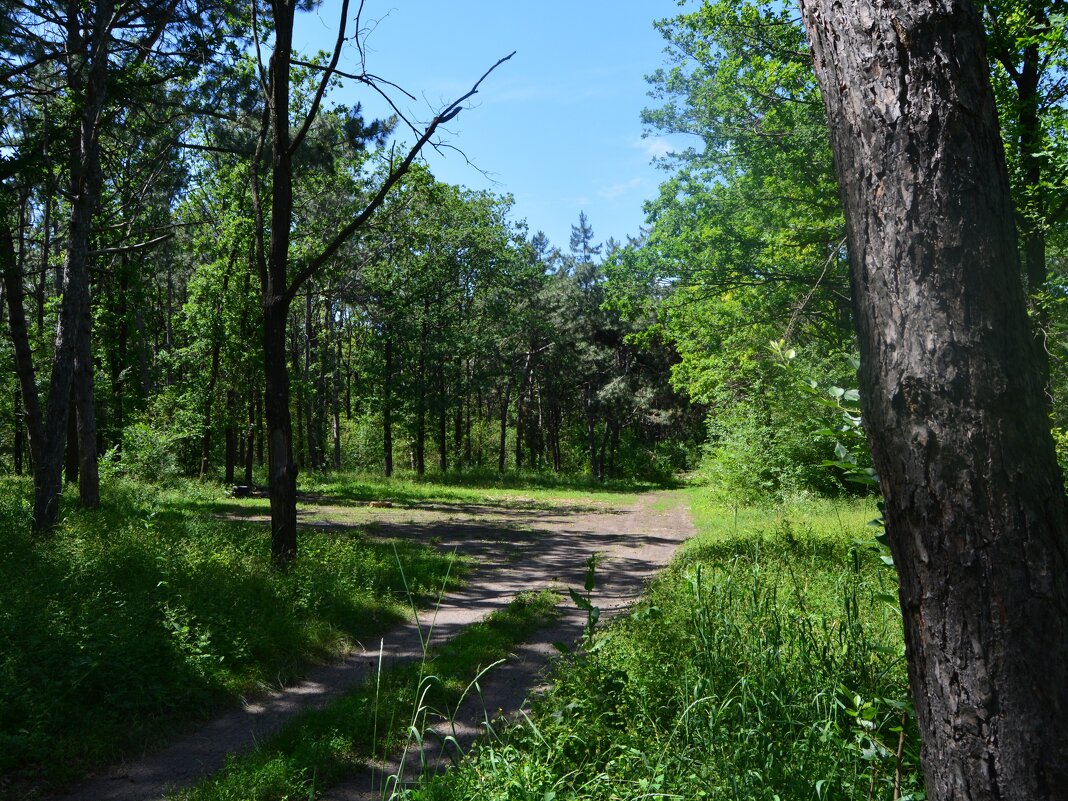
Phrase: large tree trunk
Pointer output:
(74, 309)
(952, 393)
(281, 470)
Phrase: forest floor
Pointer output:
(516, 543)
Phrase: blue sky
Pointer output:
(557, 126)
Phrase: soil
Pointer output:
(521, 547)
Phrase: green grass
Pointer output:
(500, 489)
(765, 663)
(134, 621)
(323, 746)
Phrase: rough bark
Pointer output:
(87, 83)
(952, 393)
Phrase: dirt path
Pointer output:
(515, 550)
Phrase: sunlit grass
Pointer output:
(133, 620)
(765, 663)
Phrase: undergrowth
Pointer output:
(765, 663)
(136, 619)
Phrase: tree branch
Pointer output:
(327, 75)
(131, 248)
(394, 176)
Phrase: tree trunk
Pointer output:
(335, 386)
(298, 401)
(74, 309)
(952, 393)
(387, 410)
(231, 437)
(213, 376)
(250, 437)
(281, 469)
(502, 452)
(19, 444)
(309, 392)
(420, 400)
(443, 410)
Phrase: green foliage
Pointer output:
(152, 612)
(773, 430)
(148, 454)
(764, 664)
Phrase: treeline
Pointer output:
(440, 337)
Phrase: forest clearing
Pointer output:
(343, 457)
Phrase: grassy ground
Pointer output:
(321, 747)
(137, 619)
(507, 489)
(766, 663)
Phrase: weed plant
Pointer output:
(765, 663)
(136, 619)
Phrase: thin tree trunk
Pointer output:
(298, 401)
(231, 437)
(420, 423)
(502, 449)
(213, 375)
(19, 444)
(308, 392)
(250, 437)
(443, 458)
(387, 409)
(952, 393)
(335, 385)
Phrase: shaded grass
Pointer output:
(765, 663)
(134, 620)
(323, 746)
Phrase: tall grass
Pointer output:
(398, 708)
(765, 663)
(134, 620)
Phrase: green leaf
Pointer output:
(579, 600)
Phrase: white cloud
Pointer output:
(616, 191)
(655, 146)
